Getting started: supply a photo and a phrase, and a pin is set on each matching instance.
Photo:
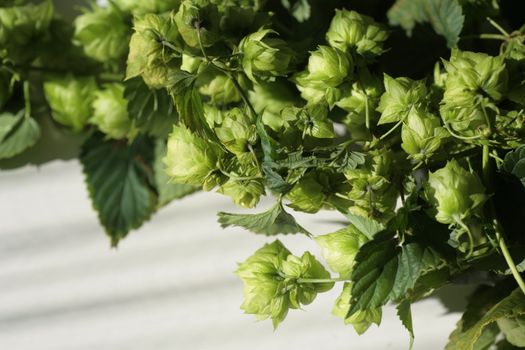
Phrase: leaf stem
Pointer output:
(498, 229)
(27, 99)
(322, 280)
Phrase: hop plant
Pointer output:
(110, 112)
(147, 6)
(190, 159)
(198, 22)
(148, 56)
(102, 33)
(454, 193)
(70, 99)
(422, 134)
(350, 30)
(276, 281)
(237, 131)
(265, 57)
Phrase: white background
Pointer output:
(169, 285)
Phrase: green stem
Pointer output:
(470, 237)
(27, 99)
(506, 254)
(466, 138)
(322, 280)
(498, 27)
(500, 236)
(391, 130)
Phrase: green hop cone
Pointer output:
(190, 159)
(400, 96)
(20, 24)
(454, 193)
(476, 72)
(198, 22)
(350, 30)
(221, 89)
(265, 57)
(244, 193)
(270, 98)
(70, 99)
(340, 248)
(237, 131)
(272, 282)
(306, 195)
(327, 69)
(421, 134)
(110, 113)
(329, 66)
(102, 33)
(147, 55)
(147, 6)
(190, 64)
(360, 320)
(514, 329)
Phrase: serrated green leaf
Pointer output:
(405, 316)
(369, 227)
(514, 163)
(167, 190)
(445, 16)
(271, 222)
(151, 110)
(17, 133)
(470, 328)
(385, 271)
(118, 176)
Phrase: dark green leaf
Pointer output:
(118, 176)
(405, 315)
(514, 163)
(271, 222)
(151, 110)
(445, 16)
(167, 191)
(385, 271)
(482, 312)
(17, 133)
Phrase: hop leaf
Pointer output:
(190, 158)
(103, 34)
(351, 30)
(70, 99)
(272, 282)
(110, 113)
(454, 193)
(265, 57)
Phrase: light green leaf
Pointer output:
(271, 222)
(300, 9)
(152, 110)
(17, 133)
(470, 329)
(405, 315)
(118, 176)
(514, 329)
(167, 190)
(445, 16)
(514, 163)
(369, 227)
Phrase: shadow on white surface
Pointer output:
(169, 285)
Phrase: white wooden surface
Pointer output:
(169, 285)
